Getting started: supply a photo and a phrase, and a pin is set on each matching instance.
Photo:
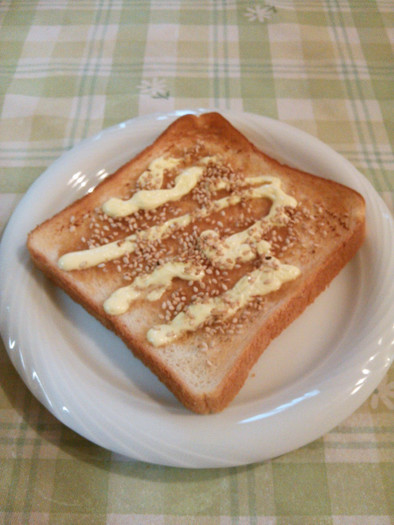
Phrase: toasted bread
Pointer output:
(215, 248)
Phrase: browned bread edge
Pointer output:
(279, 320)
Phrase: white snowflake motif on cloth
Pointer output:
(155, 87)
(260, 13)
(384, 393)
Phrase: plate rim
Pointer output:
(365, 389)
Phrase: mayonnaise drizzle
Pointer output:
(226, 253)
(238, 248)
(152, 178)
(152, 286)
(260, 282)
(113, 250)
(153, 198)
(83, 259)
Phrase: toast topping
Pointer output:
(151, 286)
(238, 248)
(201, 250)
(106, 252)
(262, 281)
(152, 178)
(246, 245)
(152, 199)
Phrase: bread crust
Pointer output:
(321, 252)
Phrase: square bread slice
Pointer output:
(199, 251)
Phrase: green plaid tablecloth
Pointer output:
(69, 69)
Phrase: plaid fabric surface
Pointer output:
(71, 68)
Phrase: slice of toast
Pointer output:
(199, 251)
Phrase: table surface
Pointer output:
(71, 69)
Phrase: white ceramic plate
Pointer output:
(310, 378)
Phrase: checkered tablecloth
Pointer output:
(69, 69)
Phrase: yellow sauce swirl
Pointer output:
(260, 282)
(225, 253)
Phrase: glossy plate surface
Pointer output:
(310, 378)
